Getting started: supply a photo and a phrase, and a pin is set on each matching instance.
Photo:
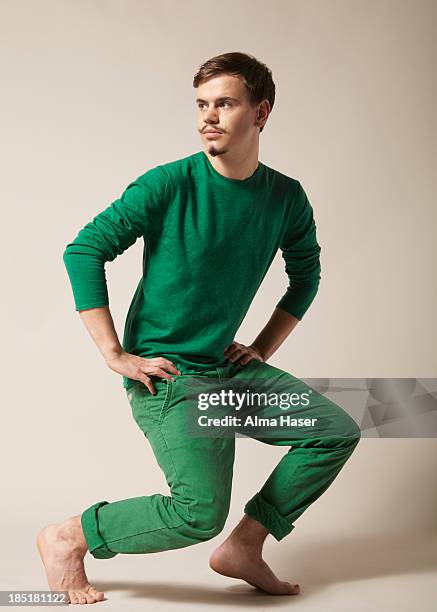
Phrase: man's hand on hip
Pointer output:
(241, 353)
(138, 368)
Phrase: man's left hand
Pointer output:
(242, 354)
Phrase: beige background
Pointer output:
(97, 92)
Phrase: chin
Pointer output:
(214, 151)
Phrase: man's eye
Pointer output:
(201, 105)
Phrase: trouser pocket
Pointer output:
(149, 409)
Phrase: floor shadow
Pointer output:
(360, 558)
(313, 565)
(235, 595)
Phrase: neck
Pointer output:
(238, 166)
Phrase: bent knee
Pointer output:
(209, 525)
(348, 438)
(205, 534)
(351, 433)
(355, 434)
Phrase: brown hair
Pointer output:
(256, 76)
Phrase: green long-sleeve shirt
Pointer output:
(208, 243)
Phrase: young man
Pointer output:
(212, 223)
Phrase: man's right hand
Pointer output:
(138, 368)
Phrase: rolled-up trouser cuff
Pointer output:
(266, 514)
(90, 527)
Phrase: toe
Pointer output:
(294, 589)
(89, 598)
(98, 595)
(73, 597)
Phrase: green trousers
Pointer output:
(199, 470)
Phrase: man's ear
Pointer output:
(263, 113)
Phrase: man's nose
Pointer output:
(210, 116)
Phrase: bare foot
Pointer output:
(237, 560)
(62, 548)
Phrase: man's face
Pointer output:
(223, 105)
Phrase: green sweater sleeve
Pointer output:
(109, 234)
(300, 252)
